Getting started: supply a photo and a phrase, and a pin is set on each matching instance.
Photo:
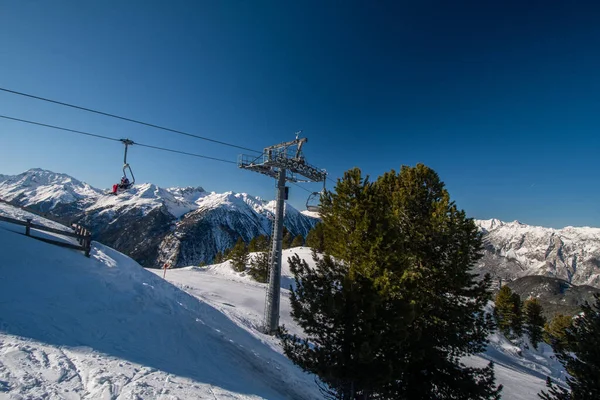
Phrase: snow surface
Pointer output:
(102, 327)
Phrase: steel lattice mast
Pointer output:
(284, 162)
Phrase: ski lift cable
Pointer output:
(116, 140)
(57, 127)
(301, 187)
(127, 119)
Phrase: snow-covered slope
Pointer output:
(515, 249)
(522, 371)
(102, 327)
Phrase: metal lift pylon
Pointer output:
(284, 162)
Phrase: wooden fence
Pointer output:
(83, 236)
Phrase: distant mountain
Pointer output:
(153, 225)
(555, 295)
(513, 250)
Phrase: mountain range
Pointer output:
(514, 250)
(187, 226)
(153, 225)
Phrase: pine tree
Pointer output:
(534, 321)
(580, 355)
(315, 238)
(555, 330)
(517, 322)
(252, 244)
(259, 267)
(504, 310)
(218, 258)
(286, 240)
(392, 307)
(298, 241)
(259, 243)
(239, 256)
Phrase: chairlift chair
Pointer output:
(313, 203)
(127, 167)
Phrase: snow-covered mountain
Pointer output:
(513, 250)
(153, 225)
(45, 190)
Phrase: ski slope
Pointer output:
(102, 327)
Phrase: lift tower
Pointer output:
(284, 162)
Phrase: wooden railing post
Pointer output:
(88, 243)
(28, 227)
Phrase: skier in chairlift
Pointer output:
(123, 185)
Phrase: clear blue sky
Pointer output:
(502, 99)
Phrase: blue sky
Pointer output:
(502, 99)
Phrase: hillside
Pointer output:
(555, 295)
(103, 327)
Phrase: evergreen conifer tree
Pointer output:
(534, 321)
(259, 267)
(259, 243)
(504, 310)
(392, 307)
(298, 241)
(580, 355)
(517, 322)
(262, 243)
(315, 238)
(218, 258)
(555, 330)
(252, 244)
(286, 240)
(239, 256)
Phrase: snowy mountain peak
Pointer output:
(148, 196)
(489, 224)
(38, 186)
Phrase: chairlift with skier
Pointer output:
(125, 183)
